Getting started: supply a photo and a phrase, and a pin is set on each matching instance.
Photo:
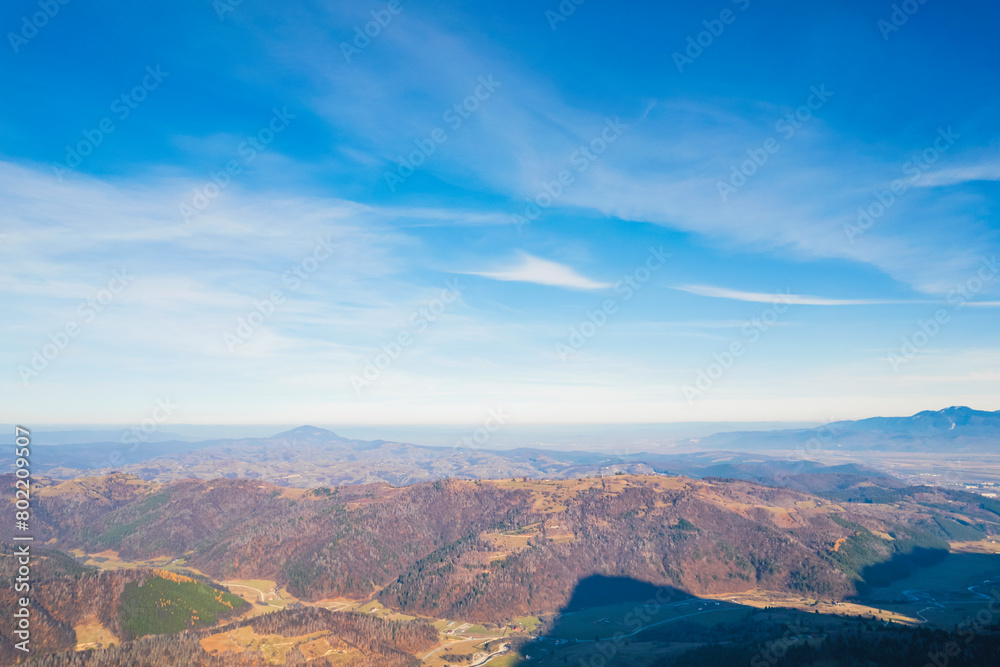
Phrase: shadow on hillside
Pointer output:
(608, 619)
(613, 621)
(901, 566)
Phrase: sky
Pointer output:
(240, 212)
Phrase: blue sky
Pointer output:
(642, 213)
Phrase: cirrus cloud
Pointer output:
(796, 299)
(540, 271)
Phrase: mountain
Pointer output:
(951, 430)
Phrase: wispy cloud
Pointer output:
(989, 171)
(795, 299)
(542, 272)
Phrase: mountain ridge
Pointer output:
(953, 429)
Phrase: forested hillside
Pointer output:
(493, 550)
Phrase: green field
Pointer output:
(529, 623)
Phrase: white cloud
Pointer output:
(542, 272)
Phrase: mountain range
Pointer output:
(309, 456)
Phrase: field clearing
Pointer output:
(258, 590)
(92, 634)
(555, 496)
(89, 486)
(779, 515)
(761, 599)
(507, 544)
(274, 648)
(529, 623)
(111, 560)
(369, 607)
(265, 585)
(979, 547)
(505, 661)
(437, 657)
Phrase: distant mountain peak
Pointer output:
(309, 432)
(950, 411)
(957, 414)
